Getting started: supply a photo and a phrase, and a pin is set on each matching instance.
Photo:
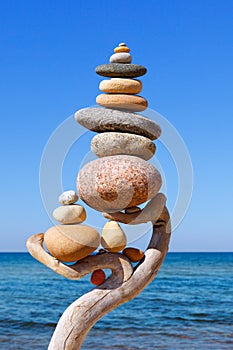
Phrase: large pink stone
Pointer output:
(117, 182)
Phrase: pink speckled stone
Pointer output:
(117, 182)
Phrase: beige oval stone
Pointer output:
(115, 143)
(71, 242)
(68, 197)
(70, 214)
(113, 237)
(133, 254)
(121, 86)
(122, 101)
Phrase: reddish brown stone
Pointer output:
(98, 277)
(117, 182)
(133, 254)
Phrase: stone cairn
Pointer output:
(115, 184)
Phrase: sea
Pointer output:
(189, 305)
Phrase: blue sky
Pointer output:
(49, 50)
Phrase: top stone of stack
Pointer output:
(120, 65)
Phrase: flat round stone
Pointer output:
(122, 44)
(121, 57)
(107, 119)
(115, 143)
(130, 103)
(121, 86)
(70, 214)
(120, 70)
(122, 48)
(117, 182)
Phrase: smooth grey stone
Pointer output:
(115, 143)
(117, 70)
(108, 119)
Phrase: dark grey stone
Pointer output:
(107, 119)
(117, 70)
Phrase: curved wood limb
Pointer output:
(81, 315)
(118, 263)
(151, 212)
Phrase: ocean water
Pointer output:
(188, 306)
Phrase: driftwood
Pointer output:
(123, 285)
(151, 212)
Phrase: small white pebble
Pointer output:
(122, 44)
(68, 197)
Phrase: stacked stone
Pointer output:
(121, 89)
(70, 241)
(121, 179)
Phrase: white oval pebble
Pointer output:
(121, 57)
(122, 44)
(68, 197)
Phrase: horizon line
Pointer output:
(183, 252)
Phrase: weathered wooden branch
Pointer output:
(118, 263)
(151, 212)
(123, 284)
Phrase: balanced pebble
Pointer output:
(122, 101)
(115, 183)
(121, 86)
(68, 197)
(120, 70)
(98, 277)
(121, 57)
(70, 214)
(71, 242)
(107, 119)
(122, 44)
(132, 210)
(133, 254)
(115, 143)
(113, 237)
(122, 49)
(101, 251)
